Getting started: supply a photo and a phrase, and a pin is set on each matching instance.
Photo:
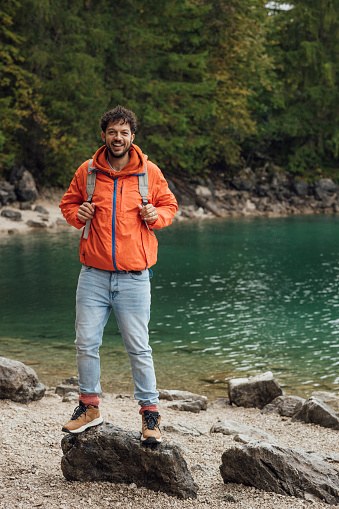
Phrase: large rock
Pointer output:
(24, 183)
(7, 194)
(184, 405)
(329, 398)
(183, 396)
(111, 454)
(13, 215)
(286, 471)
(19, 382)
(256, 391)
(285, 406)
(237, 429)
(317, 412)
(325, 188)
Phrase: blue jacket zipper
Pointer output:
(113, 221)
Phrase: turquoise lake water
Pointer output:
(230, 298)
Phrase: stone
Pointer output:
(7, 193)
(13, 215)
(291, 472)
(70, 385)
(300, 188)
(285, 406)
(254, 392)
(182, 428)
(110, 454)
(19, 382)
(25, 205)
(36, 224)
(244, 180)
(41, 209)
(172, 395)
(187, 405)
(238, 429)
(324, 188)
(203, 191)
(220, 403)
(25, 188)
(317, 412)
(329, 398)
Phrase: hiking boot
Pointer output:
(83, 417)
(150, 427)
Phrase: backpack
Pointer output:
(90, 187)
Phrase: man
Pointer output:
(116, 256)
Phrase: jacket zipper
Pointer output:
(113, 221)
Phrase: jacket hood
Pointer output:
(136, 163)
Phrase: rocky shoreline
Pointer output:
(267, 193)
(220, 455)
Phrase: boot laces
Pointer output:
(151, 420)
(79, 410)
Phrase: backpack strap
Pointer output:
(90, 186)
(143, 186)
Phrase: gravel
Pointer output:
(30, 456)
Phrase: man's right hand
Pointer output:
(86, 211)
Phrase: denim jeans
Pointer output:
(129, 295)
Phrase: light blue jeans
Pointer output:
(129, 295)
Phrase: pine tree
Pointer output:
(304, 132)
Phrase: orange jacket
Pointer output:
(118, 238)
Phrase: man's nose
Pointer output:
(117, 136)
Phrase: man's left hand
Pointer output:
(148, 213)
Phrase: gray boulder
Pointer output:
(187, 405)
(254, 392)
(317, 412)
(329, 398)
(183, 428)
(286, 471)
(19, 382)
(285, 406)
(13, 215)
(183, 396)
(237, 429)
(110, 454)
(70, 385)
(300, 188)
(325, 188)
(7, 193)
(25, 186)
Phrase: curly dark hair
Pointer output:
(119, 113)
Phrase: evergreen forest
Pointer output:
(217, 85)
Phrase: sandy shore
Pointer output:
(30, 456)
(49, 200)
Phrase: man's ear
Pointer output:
(132, 137)
(103, 136)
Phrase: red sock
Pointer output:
(151, 408)
(89, 399)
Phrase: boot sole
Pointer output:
(96, 422)
(150, 440)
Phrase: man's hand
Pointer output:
(86, 211)
(148, 213)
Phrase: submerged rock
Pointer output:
(109, 453)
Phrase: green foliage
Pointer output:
(303, 132)
(213, 83)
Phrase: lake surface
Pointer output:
(232, 297)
